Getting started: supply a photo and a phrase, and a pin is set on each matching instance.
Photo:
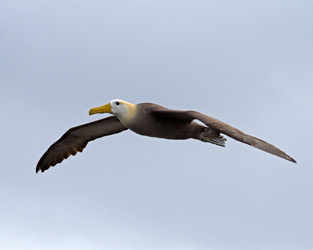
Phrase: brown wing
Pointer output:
(225, 129)
(76, 139)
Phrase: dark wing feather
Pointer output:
(76, 139)
(225, 129)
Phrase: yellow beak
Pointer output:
(102, 109)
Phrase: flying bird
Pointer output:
(150, 120)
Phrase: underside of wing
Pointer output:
(76, 139)
(225, 129)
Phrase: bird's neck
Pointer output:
(127, 117)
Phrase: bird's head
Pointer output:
(122, 109)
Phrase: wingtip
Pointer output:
(41, 168)
(294, 161)
(288, 158)
(38, 170)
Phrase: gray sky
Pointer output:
(248, 63)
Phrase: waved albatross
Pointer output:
(150, 120)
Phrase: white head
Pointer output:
(121, 109)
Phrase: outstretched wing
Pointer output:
(76, 139)
(225, 129)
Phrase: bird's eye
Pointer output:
(117, 103)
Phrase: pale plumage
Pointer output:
(150, 120)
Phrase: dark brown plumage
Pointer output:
(76, 139)
(150, 120)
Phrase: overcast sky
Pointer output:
(247, 63)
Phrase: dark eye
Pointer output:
(117, 103)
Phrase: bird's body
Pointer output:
(166, 128)
(152, 120)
